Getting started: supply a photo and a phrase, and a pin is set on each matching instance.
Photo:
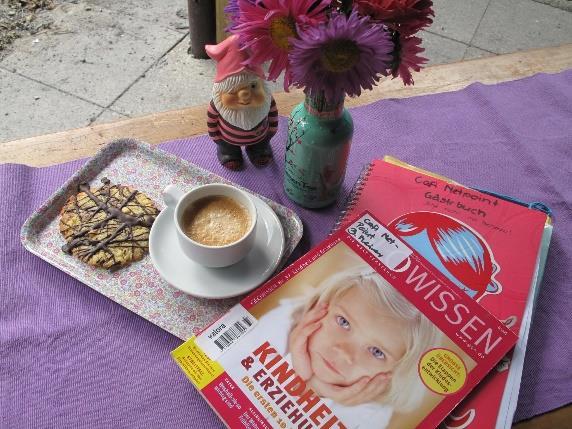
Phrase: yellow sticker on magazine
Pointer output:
(198, 367)
(442, 371)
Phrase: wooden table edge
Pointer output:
(560, 418)
(155, 128)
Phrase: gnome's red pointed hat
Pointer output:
(230, 59)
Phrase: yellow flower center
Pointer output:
(340, 56)
(280, 30)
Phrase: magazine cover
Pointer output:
(360, 332)
(491, 247)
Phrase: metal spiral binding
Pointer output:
(353, 196)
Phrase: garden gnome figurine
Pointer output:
(242, 111)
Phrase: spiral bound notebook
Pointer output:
(471, 237)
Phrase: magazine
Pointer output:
(360, 332)
(492, 246)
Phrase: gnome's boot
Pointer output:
(260, 154)
(230, 156)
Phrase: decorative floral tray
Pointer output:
(139, 287)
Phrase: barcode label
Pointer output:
(232, 333)
(220, 336)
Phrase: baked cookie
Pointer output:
(108, 226)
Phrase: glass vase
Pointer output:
(319, 139)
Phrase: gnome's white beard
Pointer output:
(246, 117)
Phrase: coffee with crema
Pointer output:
(216, 221)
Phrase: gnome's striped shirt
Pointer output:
(221, 130)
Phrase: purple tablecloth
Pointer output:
(70, 357)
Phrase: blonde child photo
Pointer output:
(352, 337)
(357, 342)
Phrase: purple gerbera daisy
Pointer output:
(232, 12)
(266, 28)
(343, 56)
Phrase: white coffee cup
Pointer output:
(211, 256)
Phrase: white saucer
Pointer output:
(197, 280)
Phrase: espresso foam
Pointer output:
(216, 221)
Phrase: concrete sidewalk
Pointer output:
(104, 60)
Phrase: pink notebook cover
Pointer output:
(487, 246)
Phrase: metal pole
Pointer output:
(202, 26)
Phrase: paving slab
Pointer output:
(474, 53)
(441, 50)
(515, 25)
(108, 116)
(178, 80)
(167, 13)
(560, 4)
(30, 108)
(457, 19)
(93, 54)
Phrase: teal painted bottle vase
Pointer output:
(319, 138)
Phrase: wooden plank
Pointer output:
(221, 21)
(558, 419)
(83, 142)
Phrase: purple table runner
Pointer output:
(71, 357)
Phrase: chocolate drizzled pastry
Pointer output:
(108, 226)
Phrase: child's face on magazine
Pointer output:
(357, 338)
